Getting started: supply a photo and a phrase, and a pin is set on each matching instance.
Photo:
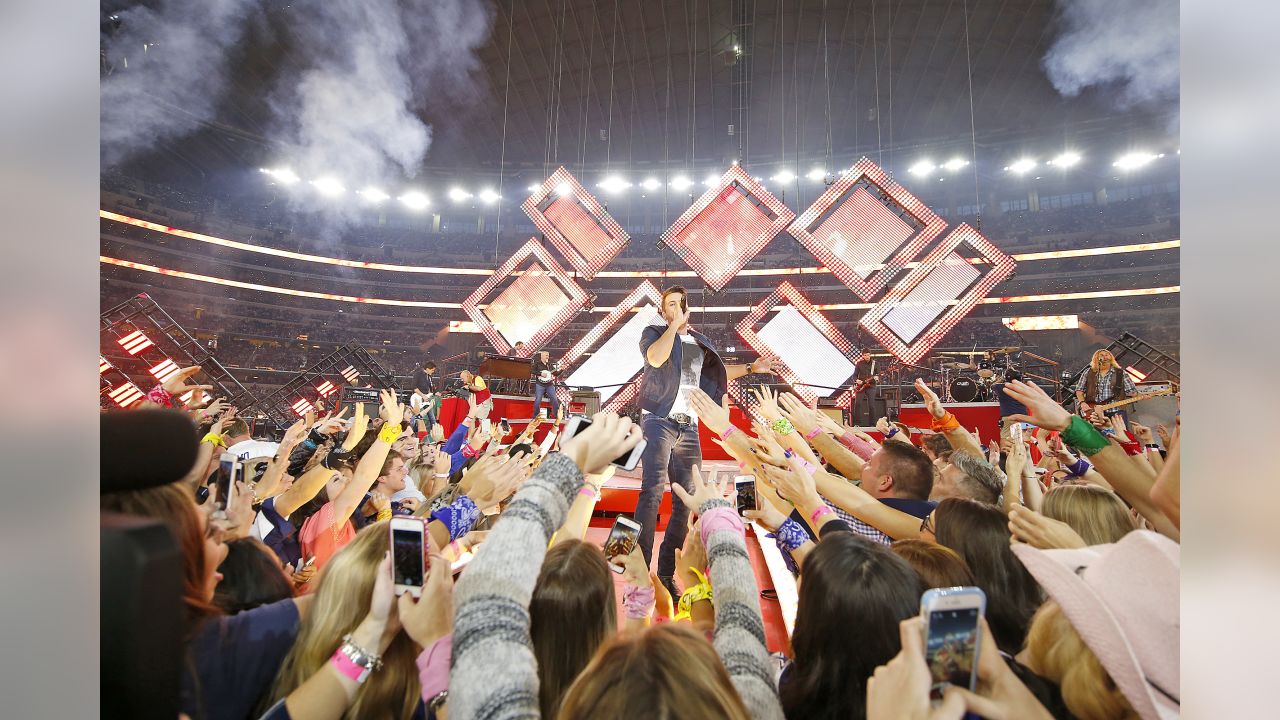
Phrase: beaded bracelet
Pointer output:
(783, 426)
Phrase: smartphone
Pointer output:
(621, 541)
(504, 427)
(952, 637)
(1015, 433)
(408, 554)
(747, 498)
(228, 472)
(578, 423)
(487, 424)
(547, 441)
(300, 564)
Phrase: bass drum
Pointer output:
(963, 389)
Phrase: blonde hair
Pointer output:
(341, 603)
(1098, 515)
(1056, 652)
(669, 669)
(1095, 362)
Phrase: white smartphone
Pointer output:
(230, 466)
(547, 441)
(952, 639)
(487, 425)
(578, 423)
(408, 555)
(299, 565)
(1015, 432)
(747, 498)
(621, 541)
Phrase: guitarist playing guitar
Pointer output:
(544, 383)
(1103, 383)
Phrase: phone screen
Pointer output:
(950, 649)
(746, 486)
(583, 424)
(227, 467)
(407, 556)
(622, 540)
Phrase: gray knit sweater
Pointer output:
(494, 674)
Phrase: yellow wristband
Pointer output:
(389, 433)
(214, 439)
(701, 591)
(384, 515)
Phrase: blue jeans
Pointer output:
(669, 456)
(549, 392)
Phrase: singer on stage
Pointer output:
(677, 358)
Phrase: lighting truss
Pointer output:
(730, 224)
(326, 388)
(126, 395)
(533, 308)
(811, 353)
(135, 342)
(922, 307)
(576, 223)
(618, 360)
(865, 228)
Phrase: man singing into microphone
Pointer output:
(677, 359)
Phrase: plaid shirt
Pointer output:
(1105, 382)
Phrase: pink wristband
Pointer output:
(813, 433)
(433, 666)
(725, 435)
(638, 601)
(819, 514)
(588, 491)
(720, 518)
(347, 668)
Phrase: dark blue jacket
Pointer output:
(659, 385)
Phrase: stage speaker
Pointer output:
(591, 399)
(1154, 411)
(834, 413)
(866, 410)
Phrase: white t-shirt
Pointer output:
(691, 357)
(246, 449)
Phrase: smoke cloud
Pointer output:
(168, 69)
(1130, 46)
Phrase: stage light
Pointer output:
(534, 188)
(564, 189)
(785, 176)
(135, 342)
(1021, 166)
(489, 197)
(1135, 160)
(463, 326)
(651, 184)
(713, 180)
(415, 200)
(1065, 160)
(164, 370)
(817, 174)
(373, 195)
(922, 167)
(681, 182)
(126, 395)
(613, 184)
(458, 195)
(351, 374)
(1135, 374)
(327, 186)
(302, 407)
(954, 164)
(284, 176)
(1042, 322)
(326, 388)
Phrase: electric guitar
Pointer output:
(1129, 401)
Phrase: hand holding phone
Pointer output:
(746, 491)
(621, 541)
(408, 554)
(952, 637)
(579, 424)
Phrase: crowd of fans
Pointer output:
(1070, 528)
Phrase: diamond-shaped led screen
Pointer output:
(618, 360)
(575, 223)
(819, 365)
(529, 303)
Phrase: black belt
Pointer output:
(681, 418)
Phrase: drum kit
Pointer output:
(976, 380)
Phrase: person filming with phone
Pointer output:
(677, 359)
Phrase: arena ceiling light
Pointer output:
(534, 188)
(489, 197)
(681, 182)
(415, 200)
(713, 180)
(1065, 160)
(327, 186)
(563, 189)
(373, 195)
(1021, 166)
(784, 176)
(1135, 160)
(613, 184)
(954, 164)
(922, 167)
(284, 176)
(651, 183)
(817, 174)
(458, 195)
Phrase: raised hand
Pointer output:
(1038, 531)
(490, 481)
(767, 403)
(712, 414)
(430, 617)
(437, 433)
(693, 556)
(804, 418)
(1044, 411)
(899, 689)
(931, 401)
(1165, 439)
(391, 409)
(608, 437)
(767, 447)
(1143, 433)
(705, 489)
(794, 484)
(176, 384)
(634, 570)
(763, 364)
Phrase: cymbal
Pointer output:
(1004, 350)
(957, 365)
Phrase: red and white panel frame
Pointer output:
(576, 223)
(922, 307)
(533, 308)
(726, 227)
(857, 228)
(618, 360)
(810, 353)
